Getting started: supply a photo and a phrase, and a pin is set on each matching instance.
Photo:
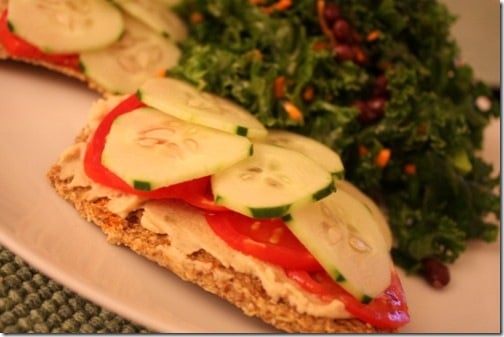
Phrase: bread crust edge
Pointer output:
(242, 290)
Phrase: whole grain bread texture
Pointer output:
(244, 290)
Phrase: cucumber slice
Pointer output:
(343, 236)
(317, 151)
(157, 16)
(66, 26)
(186, 102)
(139, 54)
(271, 183)
(377, 213)
(150, 149)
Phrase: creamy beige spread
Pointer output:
(192, 233)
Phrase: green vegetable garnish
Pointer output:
(391, 85)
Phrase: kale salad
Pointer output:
(380, 82)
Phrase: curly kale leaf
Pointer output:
(430, 119)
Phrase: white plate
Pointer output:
(41, 112)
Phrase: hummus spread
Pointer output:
(191, 235)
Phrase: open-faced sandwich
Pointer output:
(258, 215)
(260, 218)
(113, 46)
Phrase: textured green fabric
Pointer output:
(31, 302)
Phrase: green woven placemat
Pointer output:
(31, 302)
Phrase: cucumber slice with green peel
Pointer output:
(66, 26)
(149, 149)
(271, 183)
(123, 66)
(377, 213)
(317, 151)
(157, 16)
(343, 236)
(186, 102)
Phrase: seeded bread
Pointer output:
(53, 67)
(243, 290)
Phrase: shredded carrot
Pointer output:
(323, 24)
(280, 5)
(161, 73)
(255, 53)
(308, 93)
(320, 45)
(280, 87)
(360, 56)
(196, 17)
(410, 169)
(383, 157)
(293, 111)
(363, 150)
(373, 35)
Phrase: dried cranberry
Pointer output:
(342, 31)
(365, 114)
(371, 110)
(343, 52)
(356, 38)
(380, 86)
(331, 13)
(377, 104)
(435, 272)
(360, 56)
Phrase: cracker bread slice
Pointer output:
(243, 290)
(56, 68)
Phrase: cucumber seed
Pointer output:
(358, 244)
